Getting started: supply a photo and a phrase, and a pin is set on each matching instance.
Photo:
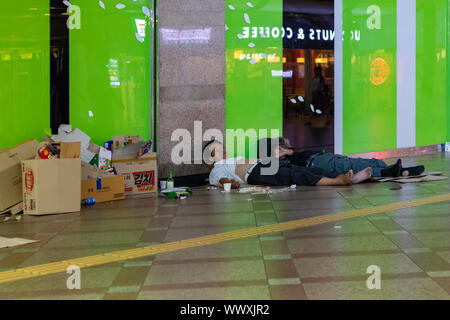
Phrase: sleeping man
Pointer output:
(338, 163)
(238, 171)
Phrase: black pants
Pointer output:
(288, 175)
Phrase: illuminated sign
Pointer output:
(379, 71)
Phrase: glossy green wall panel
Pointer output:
(110, 78)
(431, 72)
(254, 86)
(24, 71)
(369, 78)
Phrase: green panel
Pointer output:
(254, 85)
(110, 78)
(24, 71)
(431, 75)
(369, 77)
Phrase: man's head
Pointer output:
(214, 151)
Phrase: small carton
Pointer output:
(141, 175)
(11, 174)
(122, 141)
(51, 186)
(103, 189)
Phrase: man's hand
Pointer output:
(281, 152)
(234, 184)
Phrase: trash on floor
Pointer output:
(14, 242)
(139, 168)
(53, 185)
(12, 213)
(10, 171)
(266, 189)
(426, 176)
(181, 193)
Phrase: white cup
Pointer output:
(227, 187)
(163, 184)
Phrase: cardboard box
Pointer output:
(70, 150)
(51, 186)
(141, 175)
(103, 189)
(91, 172)
(11, 173)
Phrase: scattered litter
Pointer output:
(337, 227)
(173, 193)
(396, 187)
(266, 190)
(14, 242)
(426, 176)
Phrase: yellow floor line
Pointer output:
(90, 261)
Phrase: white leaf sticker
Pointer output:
(231, 7)
(226, 27)
(100, 2)
(146, 11)
(247, 18)
(138, 36)
(300, 98)
(251, 45)
(312, 107)
(67, 3)
(120, 6)
(250, 4)
(293, 100)
(240, 36)
(253, 61)
(318, 111)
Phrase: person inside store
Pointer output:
(338, 163)
(238, 171)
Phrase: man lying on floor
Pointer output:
(338, 163)
(238, 171)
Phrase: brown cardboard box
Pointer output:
(11, 174)
(51, 186)
(104, 189)
(91, 172)
(70, 150)
(141, 175)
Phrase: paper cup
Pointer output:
(227, 187)
(163, 184)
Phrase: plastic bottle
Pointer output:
(170, 181)
(89, 201)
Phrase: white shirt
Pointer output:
(224, 169)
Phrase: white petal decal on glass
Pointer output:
(263, 35)
(138, 36)
(253, 61)
(146, 11)
(251, 45)
(120, 6)
(226, 27)
(247, 18)
(263, 55)
(100, 2)
(293, 100)
(318, 111)
(67, 3)
(312, 107)
(240, 36)
(250, 4)
(300, 98)
(231, 7)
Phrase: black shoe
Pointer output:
(393, 171)
(414, 171)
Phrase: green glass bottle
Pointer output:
(170, 182)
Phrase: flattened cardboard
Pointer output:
(70, 150)
(103, 190)
(11, 173)
(51, 186)
(141, 175)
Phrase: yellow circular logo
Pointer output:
(379, 71)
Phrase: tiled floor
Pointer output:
(410, 246)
